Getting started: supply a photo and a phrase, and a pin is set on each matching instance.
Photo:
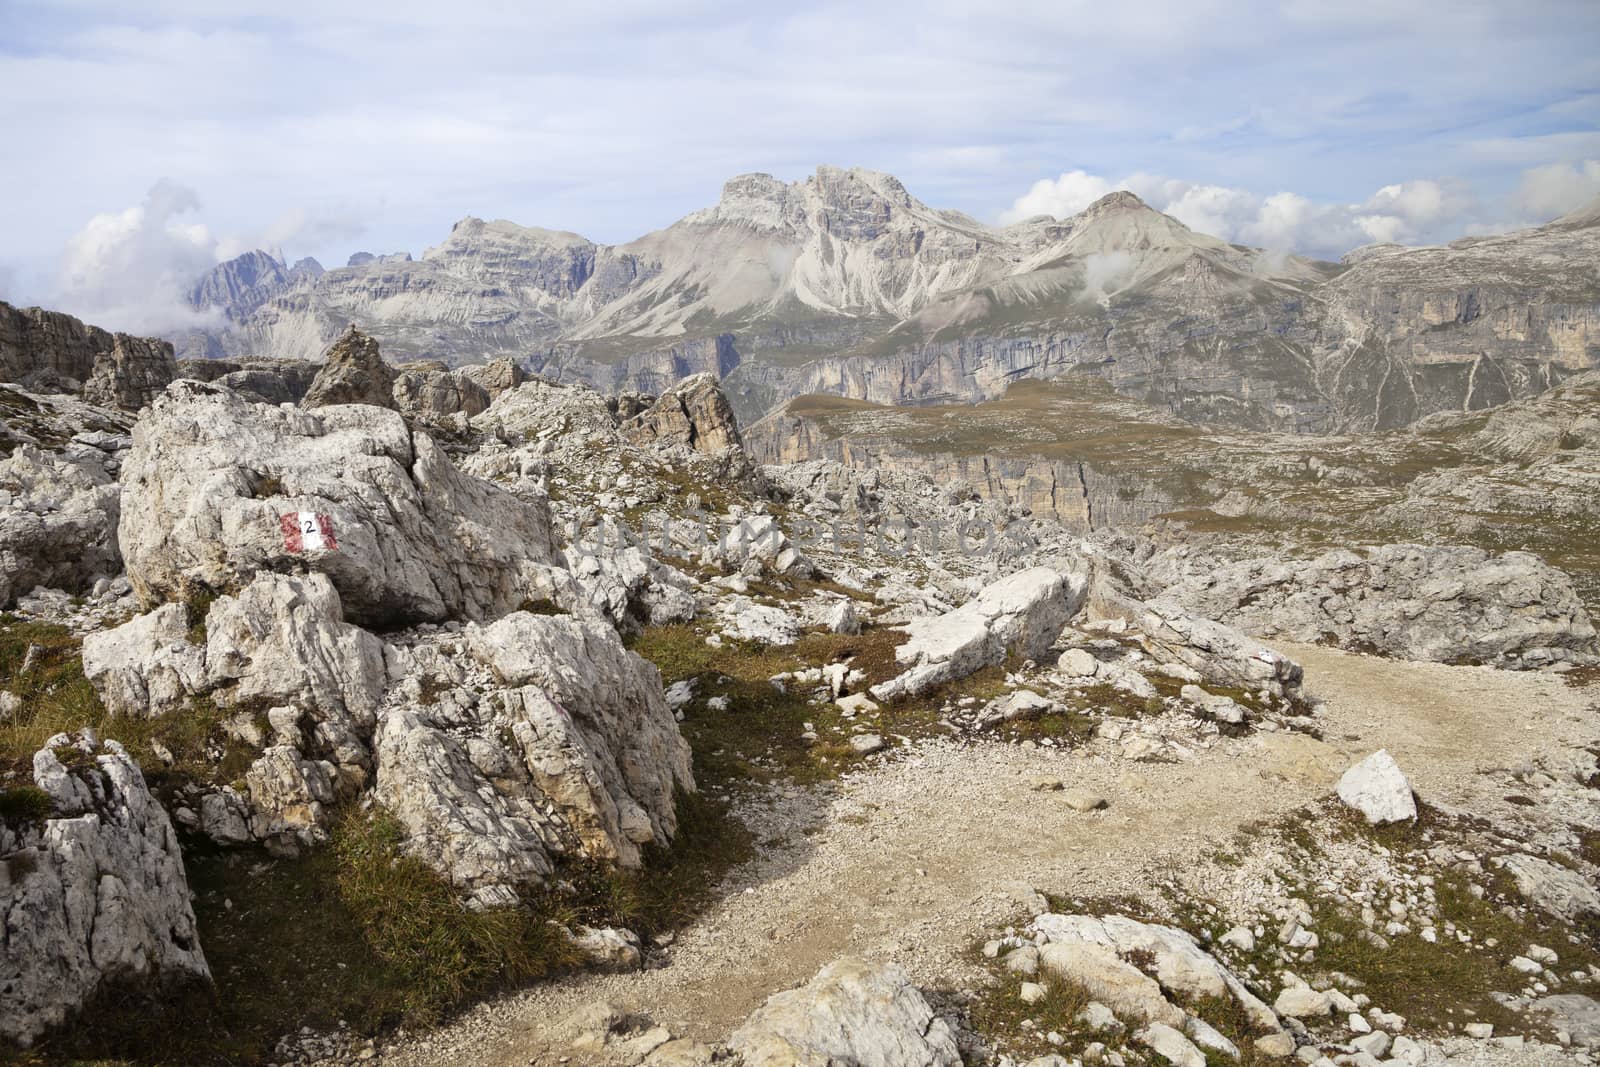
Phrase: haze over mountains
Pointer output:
(846, 283)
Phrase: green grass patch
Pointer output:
(24, 804)
(436, 951)
(758, 736)
(57, 698)
(359, 932)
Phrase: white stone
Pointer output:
(852, 1012)
(93, 892)
(1171, 1044)
(1377, 788)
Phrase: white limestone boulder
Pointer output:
(1219, 653)
(93, 896)
(852, 1013)
(214, 486)
(58, 522)
(1020, 614)
(1378, 789)
(532, 737)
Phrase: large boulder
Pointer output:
(1088, 949)
(495, 377)
(58, 522)
(628, 585)
(271, 381)
(756, 543)
(1020, 614)
(1569, 895)
(533, 737)
(353, 372)
(1438, 603)
(1219, 653)
(217, 489)
(93, 895)
(694, 416)
(852, 1014)
(147, 666)
(282, 640)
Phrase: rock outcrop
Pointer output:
(218, 489)
(132, 374)
(693, 414)
(536, 737)
(1021, 614)
(353, 372)
(271, 381)
(1436, 603)
(147, 666)
(48, 351)
(1094, 952)
(93, 895)
(1218, 653)
(495, 377)
(852, 1013)
(58, 522)
(431, 392)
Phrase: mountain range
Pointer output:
(845, 283)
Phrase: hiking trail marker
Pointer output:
(307, 531)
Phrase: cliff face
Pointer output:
(993, 453)
(49, 352)
(35, 342)
(844, 283)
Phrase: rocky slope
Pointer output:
(1522, 476)
(844, 283)
(432, 689)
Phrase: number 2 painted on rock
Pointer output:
(307, 531)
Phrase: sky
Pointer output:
(146, 141)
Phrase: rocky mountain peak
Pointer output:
(306, 267)
(361, 259)
(244, 281)
(1121, 200)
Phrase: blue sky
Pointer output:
(323, 129)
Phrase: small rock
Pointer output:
(1083, 800)
(1302, 1002)
(1278, 1044)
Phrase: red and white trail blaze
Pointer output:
(307, 531)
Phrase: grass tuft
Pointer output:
(23, 805)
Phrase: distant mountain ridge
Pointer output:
(845, 283)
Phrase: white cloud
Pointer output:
(1546, 192)
(127, 270)
(1066, 195)
(1419, 211)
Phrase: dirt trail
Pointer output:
(911, 861)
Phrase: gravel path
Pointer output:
(911, 860)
